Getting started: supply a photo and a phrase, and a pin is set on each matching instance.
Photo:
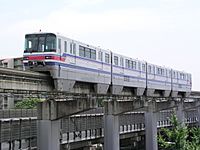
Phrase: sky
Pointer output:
(162, 32)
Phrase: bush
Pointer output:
(30, 103)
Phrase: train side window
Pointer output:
(121, 62)
(93, 54)
(143, 68)
(126, 64)
(74, 48)
(100, 56)
(71, 48)
(81, 51)
(65, 45)
(139, 66)
(149, 69)
(159, 71)
(178, 75)
(162, 72)
(131, 64)
(59, 44)
(134, 64)
(87, 53)
(153, 69)
(116, 60)
(107, 60)
(170, 73)
(166, 72)
(174, 74)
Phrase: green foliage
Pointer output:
(29, 103)
(194, 143)
(177, 138)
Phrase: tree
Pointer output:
(174, 138)
(194, 143)
(179, 137)
(29, 103)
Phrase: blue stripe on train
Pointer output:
(104, 72)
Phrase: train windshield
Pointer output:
(40, 43)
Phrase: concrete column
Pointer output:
(10, 102)
(198, 115)
(111, 132)
(151, 129)
(48, 135)
(180, 113)
(111, 127)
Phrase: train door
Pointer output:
(73, 47)
(100, 58)
(122, 65)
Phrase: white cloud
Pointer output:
(73, 22)
(74, 4)
(116, 20)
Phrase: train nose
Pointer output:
(36, 63)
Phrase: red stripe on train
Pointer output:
(48, 57)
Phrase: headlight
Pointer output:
(25, 58)
(48, 57)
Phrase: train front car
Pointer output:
(41, 52)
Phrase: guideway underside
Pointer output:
(51, 111)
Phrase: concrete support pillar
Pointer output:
(198, 116)
(111, 132)
(180, 113)
(111, 127)
(48, 134)
(151, 128)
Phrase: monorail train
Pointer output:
(69, 61)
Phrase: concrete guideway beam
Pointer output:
(115, 107)
(53, 110)
(49, 114)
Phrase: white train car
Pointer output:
(69, 61)
(181, 83)
(128, 72)
(158, 79)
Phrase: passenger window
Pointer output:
(121, 62)
(143, 68)
(71, 48)
(134, 64)
(107, 60)
(81, 51)
(65, 46)
(178, 75)
(59, 44)
(153, 70)
(87, 52)
(162, 72)
(93, 54)
(116, 60)
(127, 63)
(74, 48)
(149, 69)
(139, 66)
(100, 56)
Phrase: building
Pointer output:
(14, 63)
(7, 102)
